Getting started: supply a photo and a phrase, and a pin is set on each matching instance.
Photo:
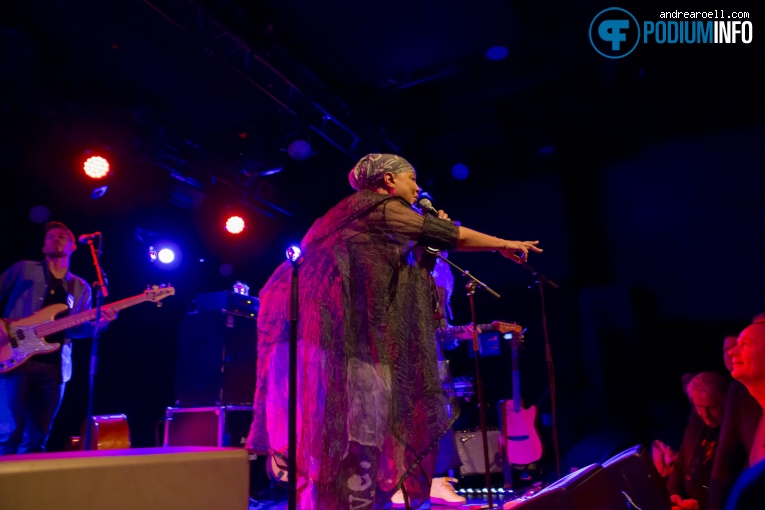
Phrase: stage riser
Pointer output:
(145, 479)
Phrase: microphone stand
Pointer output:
(541, 281)
(101, 293)
(472, 285)
(295, 256)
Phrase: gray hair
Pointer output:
(712, 383)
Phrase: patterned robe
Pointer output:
(371, 407)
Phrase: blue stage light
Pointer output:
(294, 254)
(460, 171)
(166, 255)
(497, 53)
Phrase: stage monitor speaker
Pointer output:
(145, 478)
(553, 500)
(634, 473)
(217, 360)
(586, 489)
(470, 449)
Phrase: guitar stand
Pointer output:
(472, 285)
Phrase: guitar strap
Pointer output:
(70, 287)
(68, 284)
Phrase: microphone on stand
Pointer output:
(84, 238)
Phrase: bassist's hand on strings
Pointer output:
(466, 333)
(107, 315)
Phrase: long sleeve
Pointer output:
(7, 281)
(691, 437)
(400, 220)
(676, 481)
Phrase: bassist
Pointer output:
(31, 394)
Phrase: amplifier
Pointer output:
(229, 302)
(470, 449)
(207, 426)
(109, 432)
(217, 360)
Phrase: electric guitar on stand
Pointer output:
(26, 337)
(519, 439)
(453, 333)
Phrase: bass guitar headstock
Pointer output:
(156, 293)
(510, 327)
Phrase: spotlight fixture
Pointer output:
(166, 255)
(299, 150)
(96, 167)
(241, 288)
(235, 225)
(295, 255)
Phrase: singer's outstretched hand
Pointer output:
(518, 251)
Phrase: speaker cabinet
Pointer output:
(145, 478)
(217, 359)
(634, 473)
(207, 426)
(470, 449)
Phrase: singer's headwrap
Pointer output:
(370, 169)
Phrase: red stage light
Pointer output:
(235, 224)
(96, 167)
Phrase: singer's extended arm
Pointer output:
(402, 219)
(472, 240)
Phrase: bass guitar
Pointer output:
(450, 333)
(26, 337)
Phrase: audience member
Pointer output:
(689, 481)
(739, 423)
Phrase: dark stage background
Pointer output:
(642, 177)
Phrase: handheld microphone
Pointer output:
(427, 206)
(84, 238)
